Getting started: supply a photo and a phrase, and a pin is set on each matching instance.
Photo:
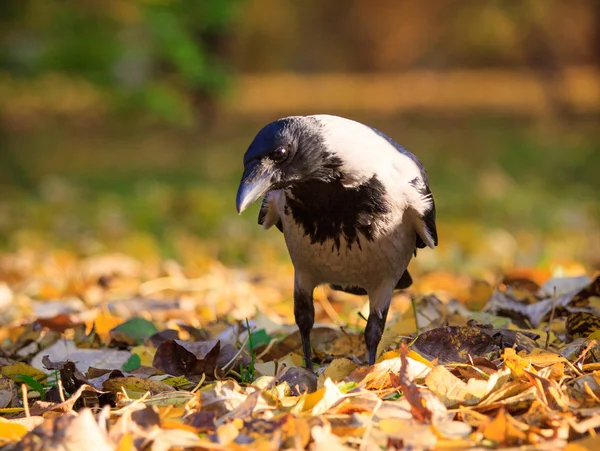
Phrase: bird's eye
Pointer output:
(279, 154)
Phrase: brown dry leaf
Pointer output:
(411, 393)
(454, 343)
(591, 443)
(300, 380)
(550, 392)
(9, 394)
(135, 386)
(183, 358)
(42, 407)
(581, 325)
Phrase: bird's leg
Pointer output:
(374, 331)
(379, 303)
(304, 312)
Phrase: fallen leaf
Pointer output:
(452, 391)
(183, 358)
(11, 431)
(133, 332)
(300, 380)
(502, 430)
(80, 432)
(410, 391)
(135, 386)
(22, 369)
(323, 399)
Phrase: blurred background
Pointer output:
(123, 123)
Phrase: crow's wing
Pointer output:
(429, 216)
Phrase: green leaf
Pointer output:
(260, 338)
(133, 363)
(134, 331)
(31, 382)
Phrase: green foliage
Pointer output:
(133, 363)
(166, 58)
(248, 374)
(134, 331)
(34, 384)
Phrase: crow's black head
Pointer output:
(285, 152)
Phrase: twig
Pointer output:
(238, 353)
(199, 384)
(267, 349)
(414, 307)
(133, 405)
(60, 390)
(25, 401)
(551, 318)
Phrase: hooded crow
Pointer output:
(353, 206)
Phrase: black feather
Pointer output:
(327, 210)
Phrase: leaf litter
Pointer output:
(112, 354)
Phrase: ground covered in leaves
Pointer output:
(107, 353)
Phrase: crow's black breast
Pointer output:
(327, 210)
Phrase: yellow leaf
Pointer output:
(16, 369)
(419, 358)
(171, 412)
(406, 326)
(503, 429)
(176, 381)
(176, 424)
(480, 294)
(338, 369)
(593, 336)
(10, 431)
(589, 367)
(323, 399)
(452, 391)
(542, 357)
(393, 425)
(145, 353)
(297, 429)
(516, 364)
(126, 443)
(227, 433)
(104, 323)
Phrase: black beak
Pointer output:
(256, 181)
